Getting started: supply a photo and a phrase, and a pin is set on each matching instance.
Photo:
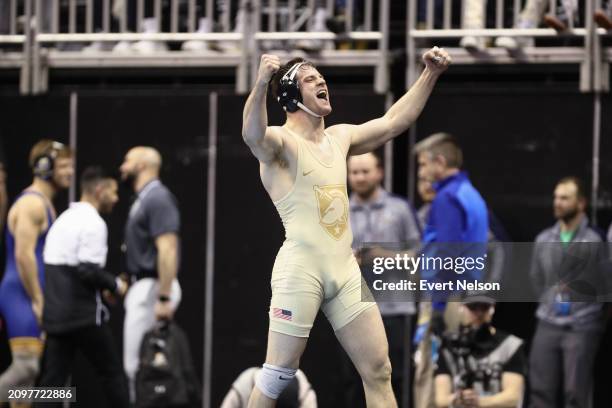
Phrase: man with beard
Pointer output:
(568, 332)
(380, 217)
(74, 317)
(152, 253)
(302, 166)
(21, 289)
(480, 366)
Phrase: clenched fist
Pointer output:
(268, 66)
(437, 60)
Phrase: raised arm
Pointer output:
(370, 135)
(29, 223)
(262, 141)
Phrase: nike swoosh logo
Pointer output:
(305, 173)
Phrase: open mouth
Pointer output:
(322, 94)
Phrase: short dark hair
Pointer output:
(580, 189)
(442, 144)
(91, 177)
(275, 82)
(378, 157)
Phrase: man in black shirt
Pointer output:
(481, 366)
(74, 315)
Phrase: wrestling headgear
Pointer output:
(43, 164)
(289, 95)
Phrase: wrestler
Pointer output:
(303, 169)
(21, 289)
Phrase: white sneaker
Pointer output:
(123, 47)
(233, 46)
(514, 43)
(97, 46)
(199, 45)
(149, 46)
(318, 26)
(472, 44)
(196, 46)
(149, 26)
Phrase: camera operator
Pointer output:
(480, 366)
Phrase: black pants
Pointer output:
(399, 337)
(561, 366)
(96, 343)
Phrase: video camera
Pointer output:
(461, 345)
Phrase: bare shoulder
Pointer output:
(341, 133)
(29, 206)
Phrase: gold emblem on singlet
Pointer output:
(333, 209)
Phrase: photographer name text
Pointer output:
(425, 285)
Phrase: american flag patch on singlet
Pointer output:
(281, 313)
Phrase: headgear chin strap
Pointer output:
(290, 97)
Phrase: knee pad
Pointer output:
(272, 380)
(21, 373)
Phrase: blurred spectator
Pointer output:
(151, 25)
(458, 214)
(533, 13)
(380, 217)
(427, 194)
(480, 366)
(474, 16)
(74, 316)
(318, 23)
(497, 233)
(566, 15)
(152, 253)
(603, 16)
(298, 394)
(568, 332)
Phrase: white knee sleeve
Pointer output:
(272, 380)
(21, 373)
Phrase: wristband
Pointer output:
(117, 285)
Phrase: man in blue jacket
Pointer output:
(458, 215)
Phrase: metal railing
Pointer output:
(602, 56)
(438, 24)
(55, 34)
